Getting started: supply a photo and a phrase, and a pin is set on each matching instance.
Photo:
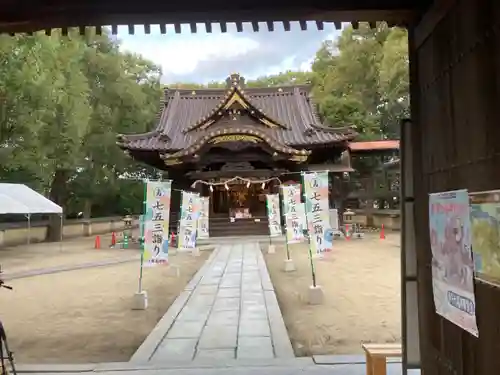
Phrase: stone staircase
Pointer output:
(220, 226)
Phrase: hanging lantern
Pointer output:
(263, 185)
(211, 188)
(227, 187)
(248, 184)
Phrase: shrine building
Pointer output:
(214, 135)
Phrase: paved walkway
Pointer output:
(232, 312)
(304, 368)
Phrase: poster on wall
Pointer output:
(485, 222)
(188, 224)
(273, 214)
(293, 213)
(452, 265)
(318, 211)
(204, 219)
(155, 221)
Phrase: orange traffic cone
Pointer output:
(97, 244)
(113, 238)
(382, 233)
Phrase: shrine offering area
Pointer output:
(362, 300)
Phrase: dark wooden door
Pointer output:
(455, 72)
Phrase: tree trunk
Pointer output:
(57, 195)
(87, 209)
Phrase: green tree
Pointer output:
(362, 80)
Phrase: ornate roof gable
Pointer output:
(234, 102)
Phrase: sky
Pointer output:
(204, 57)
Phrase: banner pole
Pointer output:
(286, 228)
(143, 230)
(311, 260)
(287, 248)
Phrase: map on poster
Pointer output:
(485, 222)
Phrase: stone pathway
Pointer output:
(231, 313)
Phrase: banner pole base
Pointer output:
(289, 265)
(315, 295)
(140, 301)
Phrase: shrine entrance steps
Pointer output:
(221, 226)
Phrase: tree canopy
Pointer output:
(63, 99)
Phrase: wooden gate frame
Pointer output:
(409, 287)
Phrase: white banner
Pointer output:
(294, 213)
(155, 221)
(203, 220)
(317, 211)
(190, 210)
(273, 214)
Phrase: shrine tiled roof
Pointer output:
(286, 115)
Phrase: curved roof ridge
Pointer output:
(217, 113)
(266, 137)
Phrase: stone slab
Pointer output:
(201, 300)
(254, 328)
(197, 277)
(281, 341)
(176, 349)
(224, 304)
(186, 329)
(217, 337)
(253, 315)
(255, 347)
(215, 354)
(145, 352)
(223, 318)
(229, 292)
(207, 289)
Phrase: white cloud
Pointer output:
(203, 57)
(181, 54)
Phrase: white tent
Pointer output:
(20, 199)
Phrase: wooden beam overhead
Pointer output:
(31, 16)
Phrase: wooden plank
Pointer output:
(379, 366)
(161, 14)
(374, 346)
(431, 19)
(383, 350)
(386, 353)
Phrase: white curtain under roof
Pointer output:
(20, 199)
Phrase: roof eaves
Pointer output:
(196, 146)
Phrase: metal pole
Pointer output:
(284, 216)
(28, 216)
(311, 260)
(62, 234)
(286, 244)
(143, 242)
